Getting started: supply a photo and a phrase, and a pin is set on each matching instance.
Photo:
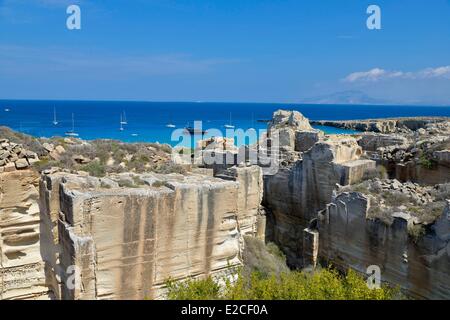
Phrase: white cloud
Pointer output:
(436, 72)
(378, 74)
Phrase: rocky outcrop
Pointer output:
(216, 153)
(350, 238)
(127, 241)
(396, 125)
(14, 156)
(289, 119)
(21, 267)
(298, 190)
(420, 155)
(418, 172)
(372, 142)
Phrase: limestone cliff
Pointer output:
(127, 242)
(350, 238)
(299, 189)
(21, 267)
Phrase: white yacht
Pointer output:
(229, 126)
(72, 133)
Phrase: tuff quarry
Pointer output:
(371, 198)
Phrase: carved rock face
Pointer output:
(127, 242)
(21, 266)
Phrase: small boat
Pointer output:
(134, 134)
(170, 124)
(7, 110)
(192, 130)
(195, 131)
(123, 119)
(72, 133)
(229, 126)
(55, 122)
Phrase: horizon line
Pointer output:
(238, 102)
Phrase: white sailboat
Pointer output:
(123, 118)
(229, 126)
(121, 123)
(170, 124)
(55, 122)
(7, 110)
(72, 133)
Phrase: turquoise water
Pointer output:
(147, 120)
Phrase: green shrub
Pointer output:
(265, 259)
(426, 162)
(206, 289)
(95, 168)
(265, 276)
(325, 284)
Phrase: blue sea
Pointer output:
(147, 120)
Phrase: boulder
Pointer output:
(22, 164)
(294, 119)
(80, 159)
(304, 140)
(48, 146)
(60, 149)
(4, 154)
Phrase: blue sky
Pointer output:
(233, 50)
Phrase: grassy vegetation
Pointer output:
(104, 156)
(429, 212)
(268, 279)
(396, 198)
(95, 168)
(264, 259)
